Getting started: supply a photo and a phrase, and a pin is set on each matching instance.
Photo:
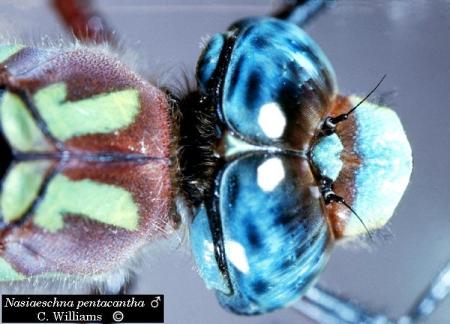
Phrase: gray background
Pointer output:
(408, 40)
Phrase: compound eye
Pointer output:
(278, 84)
(208, 60)
(274, 235)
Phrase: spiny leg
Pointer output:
(323, 306)
(86, 23)
(430, 299)
(300, 12)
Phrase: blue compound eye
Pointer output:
(274, 237)
(207, 63)
(276, 83)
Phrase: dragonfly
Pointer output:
(90, 170)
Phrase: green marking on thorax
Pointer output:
(19, 126)
(7, 272)
(100, 114)
(20, 188)
(8, 50)
(105, 203)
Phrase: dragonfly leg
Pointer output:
(323, 306)
(84, 21)
(300, 12)
(430, 299)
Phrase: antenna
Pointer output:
(331, 197)
(359, 218)
(330, 123)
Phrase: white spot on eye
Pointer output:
(270, 174)
(272, 120)
(236, 255)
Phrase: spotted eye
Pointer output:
(284, 189)
(262, 239)
(276, 83)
